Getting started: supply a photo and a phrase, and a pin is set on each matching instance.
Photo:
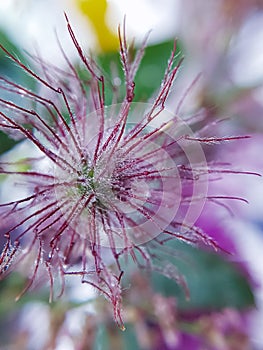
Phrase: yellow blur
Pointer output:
(95, 11)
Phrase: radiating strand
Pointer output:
(76, 211)
(18, 89)
(50, 154)
(33, 113)
(56, 90)
(32, 278)
(30, 216)
(79, 50)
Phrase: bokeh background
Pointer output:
(223, 40)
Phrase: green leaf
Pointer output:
(10, 71)
(129, 338)
(10, 287)
(8, 68)
(152, 68)
(214, 283)
(149, 76)
(101, 339)
(6, 143)
(111, 337)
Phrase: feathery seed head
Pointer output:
(126, 177)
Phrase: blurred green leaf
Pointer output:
(214, 283)
(9, 70)
(6, 143)
(10, 287)
(149, 76)
(130, 338)
(111, 337)
(101, 339)
(7, 67)
(152, 68)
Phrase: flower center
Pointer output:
(86, 182)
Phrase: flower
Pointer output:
(96, 11)
(110, 183)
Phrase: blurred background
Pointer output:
(223, 40)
